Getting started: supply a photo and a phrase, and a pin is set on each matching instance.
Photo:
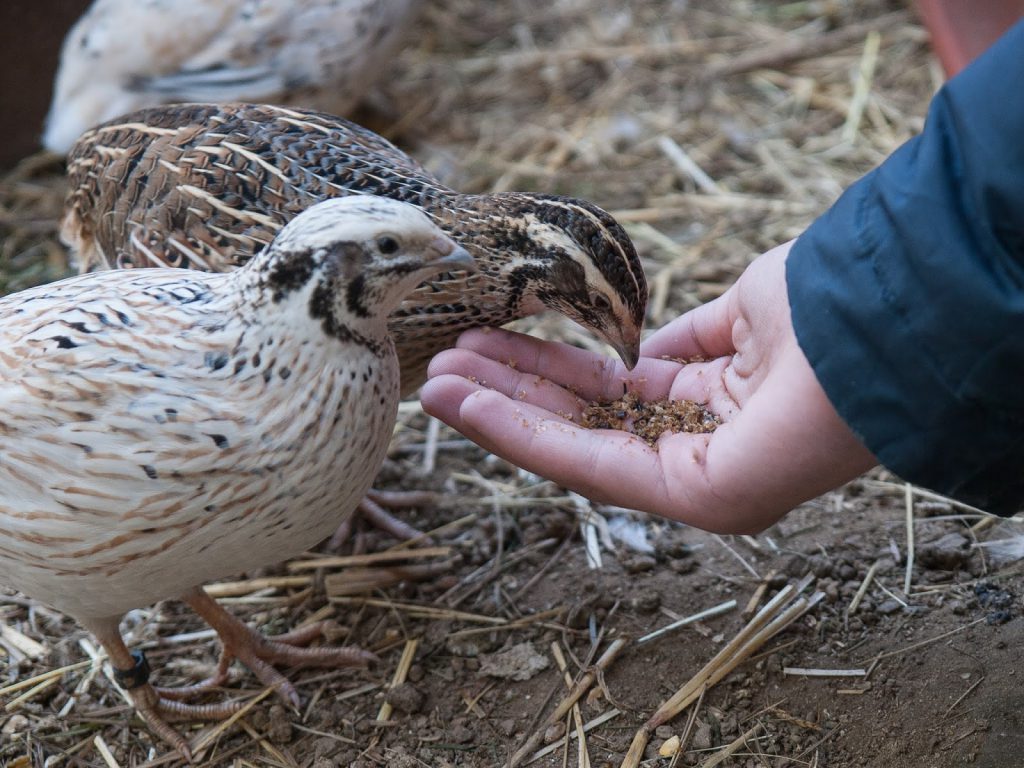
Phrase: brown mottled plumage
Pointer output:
(163, 428)
(205, 186)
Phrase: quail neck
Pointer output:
(205, 186)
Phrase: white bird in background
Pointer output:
(123, 55)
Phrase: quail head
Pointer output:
(123, 55)
(164, 427)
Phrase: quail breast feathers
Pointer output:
(206, 186)
(165, 427)
(123, 55)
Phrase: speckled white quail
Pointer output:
(162, 428)
(124, 55)
(205, 186)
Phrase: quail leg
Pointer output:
(259, 653)
(132, 673)
(372, 510)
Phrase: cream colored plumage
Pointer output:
(123, 55)
(162, 428)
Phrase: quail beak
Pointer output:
(626, 342)
(443, 250)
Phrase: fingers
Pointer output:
(510, 381)
(605, 465)
(695, 479)
(704, 383)
(781, 442)
(592, 376)
(702, 333)
(444, 394)
(786, 446)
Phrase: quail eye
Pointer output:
(600, 302)
(387, 245)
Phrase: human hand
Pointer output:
(780, 442)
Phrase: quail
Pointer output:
(205, 186)
(123, 55)
(162, 428)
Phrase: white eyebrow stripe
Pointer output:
(604, 230)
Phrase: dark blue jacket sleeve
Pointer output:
(907, 296)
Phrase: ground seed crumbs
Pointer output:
(649, 420)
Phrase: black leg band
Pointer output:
(136, 676)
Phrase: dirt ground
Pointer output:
(779, 106)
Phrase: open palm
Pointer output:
(780, 442)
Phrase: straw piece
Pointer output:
(581, 687)
(587, 728)
(778, 613)
(687, 165)
(862, 88)
(584, 755)
(36, 679)
(922, 643)
(863, 588)
(387, 556)
(758, 596)
(814, 672)
(908, 496)
(105, 753)
(716, 610)
(24, 643)
(30, 694)
(400, 676)
(239, 588)
(206, 738)
(730, 749)
(421, 611)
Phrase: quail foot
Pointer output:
(162, 428)
(206, 186)
(124, 55)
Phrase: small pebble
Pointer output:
(506, 727)
(460, 734)
(554, 732)
(279, 729)
(636, 563)
(702, 736)
(406, 698)
(324, 746)
(682, 565)
(889, 607)
(647, 602)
